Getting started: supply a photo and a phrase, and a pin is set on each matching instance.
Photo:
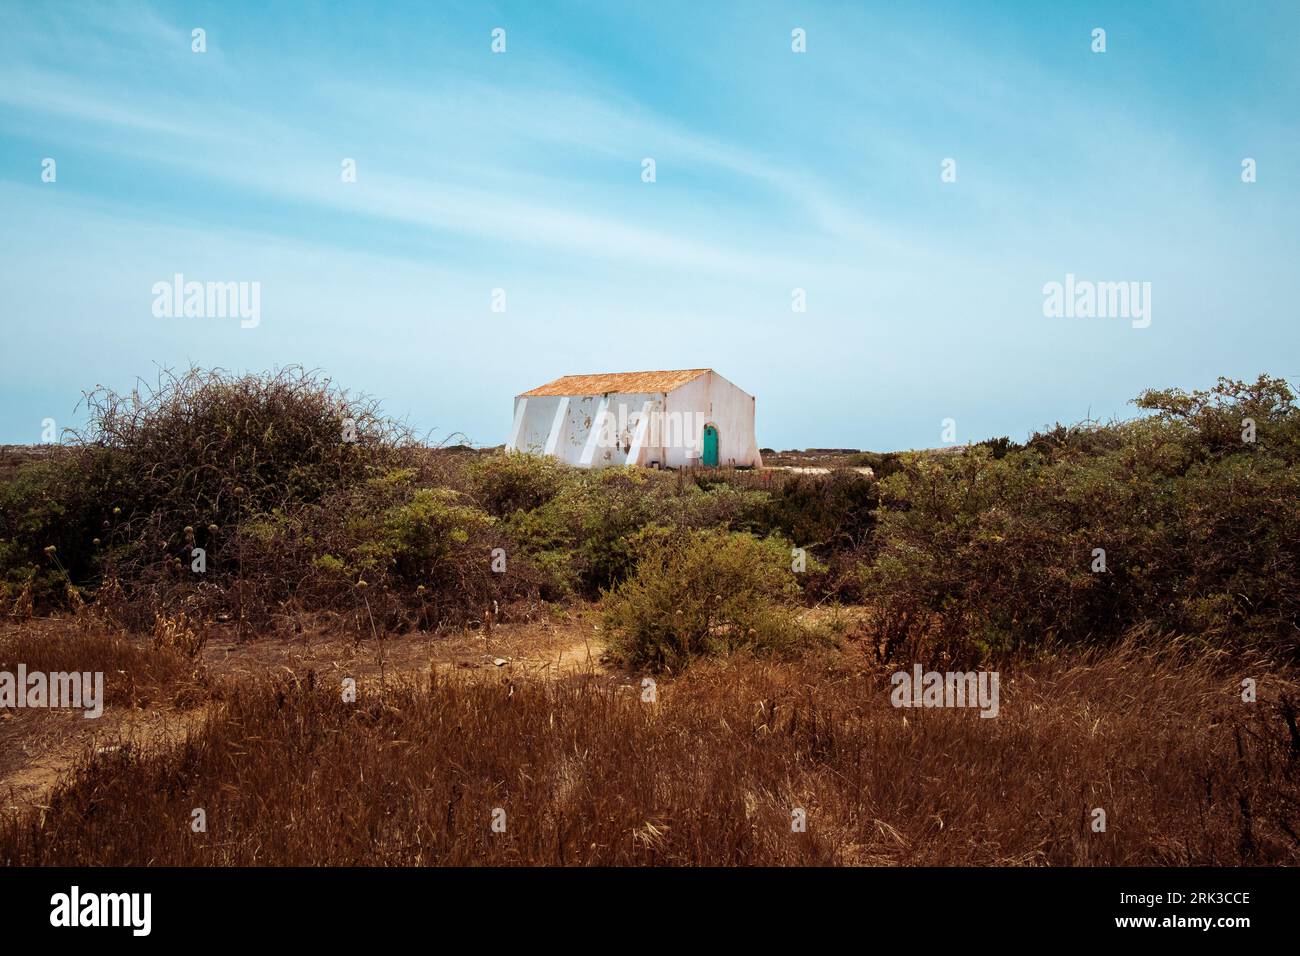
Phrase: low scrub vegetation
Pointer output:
(1188, 520)
(303, 498)
(179, 467)
(586, 536)
(407, 553)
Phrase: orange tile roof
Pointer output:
(625, 382)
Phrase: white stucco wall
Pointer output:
(566, 428)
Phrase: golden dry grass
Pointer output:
(589, 774)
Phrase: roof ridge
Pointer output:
(656, 380)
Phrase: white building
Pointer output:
(656, 419)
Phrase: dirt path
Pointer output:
(562, 642)
(41, 748)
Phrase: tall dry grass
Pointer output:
(589, 774)
(136, 673)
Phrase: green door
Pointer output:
(710, 458)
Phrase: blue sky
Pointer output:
(775, 170)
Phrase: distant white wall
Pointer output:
(569, 428)
(641, 428)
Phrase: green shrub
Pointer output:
(411, 554)
(703, 592)
(506, 483)
(882, 464)
(584, 535)
(1210, 422)
(419, 539)
(824, 512)
(998, 447)
(1200, 529)
(45, 504)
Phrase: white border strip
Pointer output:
(642, 426)
(557, 426)
(518, 425)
